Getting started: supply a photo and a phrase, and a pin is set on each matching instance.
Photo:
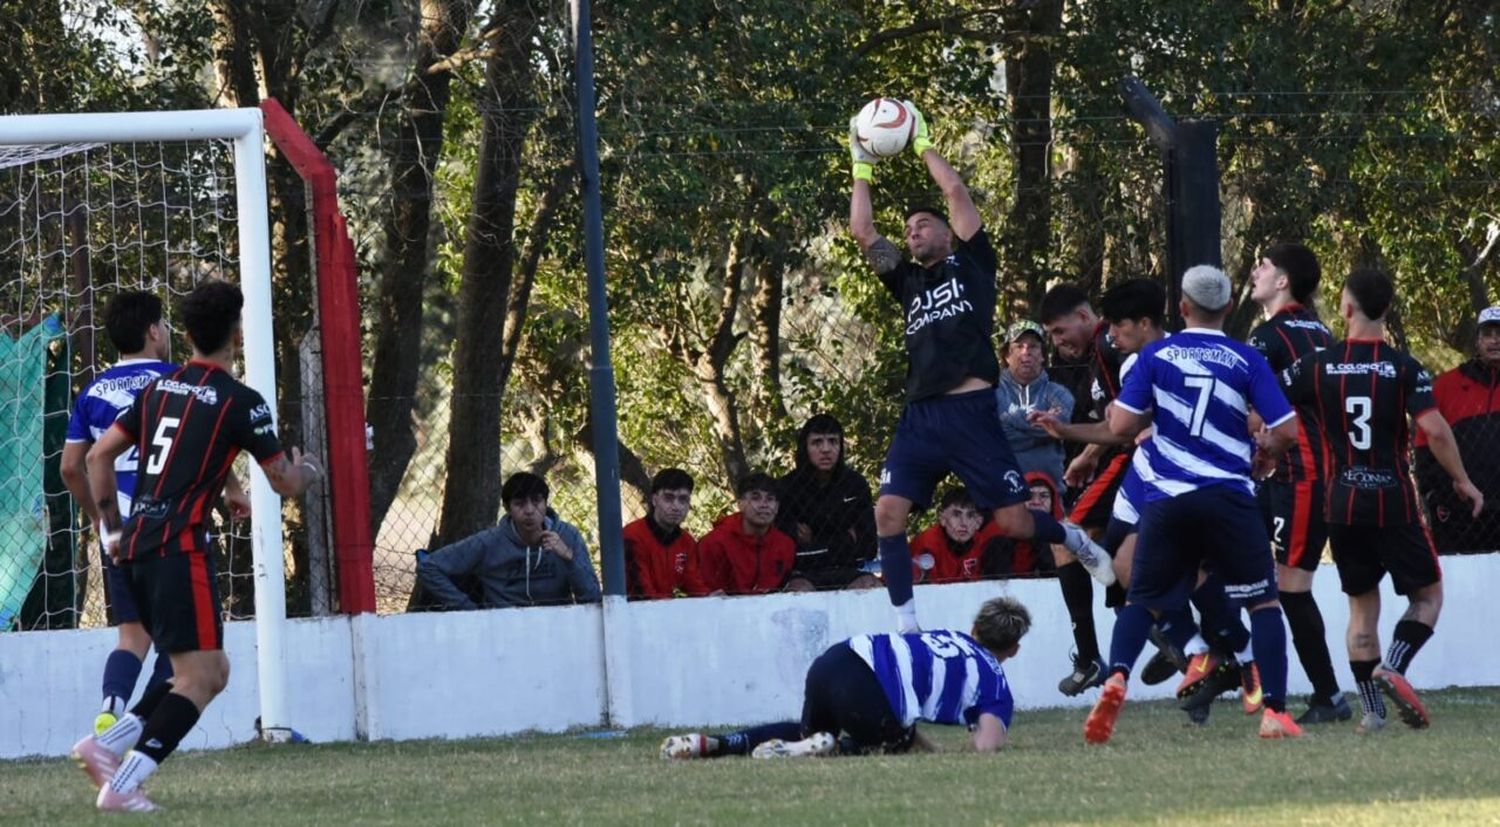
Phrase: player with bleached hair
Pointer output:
(872, 690)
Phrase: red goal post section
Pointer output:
(343, 385)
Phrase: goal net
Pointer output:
(90, 206)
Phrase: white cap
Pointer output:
(1207, 287)
(1489, 315)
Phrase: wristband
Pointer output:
(864, 172)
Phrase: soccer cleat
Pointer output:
(1370, 724)
(1200, 669)
(1251, 696)
(103, 721)
(1325, 713)
(685, 746)
(1398, 689)
(1159, 669)
(1096, 561)
(134, 801)
(1101, 721)
(1086, 674)
(1198, 715)
(1275, 724)
(1226, 678)
(97, 762)
(817, 744)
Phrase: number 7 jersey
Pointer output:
(1362, 392)
(188, 427)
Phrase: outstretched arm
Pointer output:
(963, 217)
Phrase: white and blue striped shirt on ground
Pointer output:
(941, 676)
(1201, 386)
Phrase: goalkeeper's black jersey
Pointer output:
(188, 427)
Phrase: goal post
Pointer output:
(242, 128)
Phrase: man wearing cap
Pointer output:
(946, 292)
(1024, 388)
(1196, 390)
(1469, 399)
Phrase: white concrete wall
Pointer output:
(712, 661)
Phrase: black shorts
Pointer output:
(843, 695)
(178, 601)
(1097, 502)
(828, 579)
(960, 433)
(119, 605)
(1294, 519)
(1366, 553)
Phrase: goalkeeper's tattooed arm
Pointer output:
(883, 255)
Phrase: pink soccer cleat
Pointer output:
(99, 763)
(134, 801)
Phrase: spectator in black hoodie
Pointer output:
(826, 507)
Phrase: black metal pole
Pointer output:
(602, 373)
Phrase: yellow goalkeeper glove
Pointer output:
(864, 162)
(921, 140)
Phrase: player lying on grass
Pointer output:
(873, 689)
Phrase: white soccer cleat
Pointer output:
(685, 746)
(1096, 561)
(99, 763)
(134, 801)
(817, 744)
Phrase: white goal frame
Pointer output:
(244, 128)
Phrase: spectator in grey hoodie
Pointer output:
(1024, 388)
(531, 558)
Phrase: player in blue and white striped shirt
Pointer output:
(1197, 389)
(874, 689)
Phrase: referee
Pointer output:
(187, 426)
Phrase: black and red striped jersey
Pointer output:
(1291, 333)
(188, 427)
(1362, 392)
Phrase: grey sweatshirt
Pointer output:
(1035, 450)
(510, 572)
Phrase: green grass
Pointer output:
(1155, 771)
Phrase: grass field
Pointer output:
(1155, 771)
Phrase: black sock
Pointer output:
(150, 698)
(1369, 694)
(743, 741)
(1311, 639)
(173, 719)
(1078, 596)
(1405, 643)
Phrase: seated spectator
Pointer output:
(1468, 397)
(745, 553)
(826, 507)
(1024, 388)
(531, 558)
(660, 555)
(1019, 558)
(953, 549)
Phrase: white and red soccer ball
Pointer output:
(884, 127)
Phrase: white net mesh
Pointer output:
(78, 224)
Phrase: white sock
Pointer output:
(113, 704)
(906, 617)
(134, 770)
(119, 738)
(1245, 656)
(1196, 646)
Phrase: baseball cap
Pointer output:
(1207, 287)
(1489, 315)
(1023, 326)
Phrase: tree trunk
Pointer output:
(471, 495)
(1028, 76)
(398, 303)
(766, 302)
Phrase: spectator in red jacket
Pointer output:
(1020, 558)
(660, 555)
(1468, 397)
(745, 553)
(952, 550)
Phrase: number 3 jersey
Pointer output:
(1362, 392)
(188, 427)
(941, 676)
(102, 402)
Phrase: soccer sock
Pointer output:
(895, 567)
(1132, 626)
(1078, 596)
(119, 738)
(1405, 643)
(1047, 529)
(1221, 621)
(134, 770)
(1269, 633)
(1311, 639)
(168, 725)
(743, 741)
(161, 671)
(1369, 695)
(1178, 627)
(150, 699)
(121, 669)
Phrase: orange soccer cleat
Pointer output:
(1101, 721)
